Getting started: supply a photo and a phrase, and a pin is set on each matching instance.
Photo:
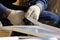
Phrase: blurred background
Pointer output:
(53, 5)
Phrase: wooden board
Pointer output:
(35, 33)
(52, 38)
(27, 37)
(43, 25)
(4, 33)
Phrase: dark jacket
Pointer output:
(8, 3)
(36, 2)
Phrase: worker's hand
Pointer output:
(34, 12)
(16, 17)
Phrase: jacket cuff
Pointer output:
(40, 5)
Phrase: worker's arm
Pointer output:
(35, 9)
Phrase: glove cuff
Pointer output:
(40, 5)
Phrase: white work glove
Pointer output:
(16, 17)
(34, 12)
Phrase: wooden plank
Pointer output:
(27, 37)
(52, 38)
(37, 29)
(43, 25)
(4, 33)
(24, 31)
(29, 32)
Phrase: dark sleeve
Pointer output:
(8, 4)
(7, 1)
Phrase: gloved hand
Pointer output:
(34, 12)
(16, 17)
